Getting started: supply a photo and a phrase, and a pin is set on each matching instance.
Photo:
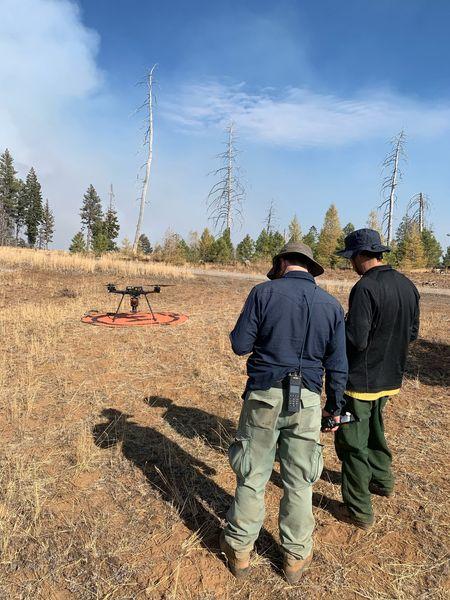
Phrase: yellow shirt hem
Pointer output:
(370, 395)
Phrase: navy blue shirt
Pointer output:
(272, 327)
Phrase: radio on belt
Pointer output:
(295, 392)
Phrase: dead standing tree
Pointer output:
(226, 195)
(391, 165)
(270, 219)
(419, 205)
(148, 143)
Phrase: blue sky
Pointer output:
(316, 90)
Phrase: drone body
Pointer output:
(135, 291)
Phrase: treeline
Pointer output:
(25, 220)
(410, 250)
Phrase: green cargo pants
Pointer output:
(365, 456)
(265, 427)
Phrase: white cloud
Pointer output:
(48, 60)
(299, 117)
(50, 90)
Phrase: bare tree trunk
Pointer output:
(419, 204)
(421, 211)
(225, 196)
(111, 197)
(390, 183)
(270, 219)
(392, 197)
(229, 175)
(149, 143)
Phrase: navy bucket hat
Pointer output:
(362, 240)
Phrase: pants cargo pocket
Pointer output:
(316, 466)
(239, 457)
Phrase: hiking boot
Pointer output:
(238, 561)
(380, 491)
(347, 516)
(294, 567)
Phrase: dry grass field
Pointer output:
(114, 479)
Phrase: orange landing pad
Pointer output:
(133, 319)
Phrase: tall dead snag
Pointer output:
(391, 165)
(148, 143)
(419, 205)
(226, 195)
(270, 219)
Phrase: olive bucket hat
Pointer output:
(362, 240)
(304, 252)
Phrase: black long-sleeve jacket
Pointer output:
(272, 326)
(383, 318)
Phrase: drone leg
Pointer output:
(118, 308)
(151, 310)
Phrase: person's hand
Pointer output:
(336, 419)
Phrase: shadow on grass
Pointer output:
(190, 422)
(218, 432)
(429, 362)
(177, 477)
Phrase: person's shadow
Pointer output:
(190, 422)
(176, 476)
(429, 362)
(217, 432)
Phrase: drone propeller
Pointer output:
(161, 285)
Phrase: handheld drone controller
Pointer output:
(330, 423)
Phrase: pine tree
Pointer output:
(9, 187)
(311, 238)
(432, 248)
(328, 238)
(245, 249)
(193, 247)
(276, 242)
(91, 215)
(222, 250)
(20, 210)
(33, 204)
(413, 254)
(395, 257)
(46, 227)
(373, 222)
(174, 248)
(78, 243)
(349, 228)
(144, 246)
(205, 246)
(338, 260)
(263, 246)
(100, 241)
(111, 228)
(295, 232)
(446, 258)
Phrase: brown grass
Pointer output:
(113, 264)
(113, 471)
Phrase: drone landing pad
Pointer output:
(133, 319)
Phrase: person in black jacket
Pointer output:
(382, 319)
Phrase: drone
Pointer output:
(135, 291)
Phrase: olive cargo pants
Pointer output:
(265, 427)
(365, 456)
